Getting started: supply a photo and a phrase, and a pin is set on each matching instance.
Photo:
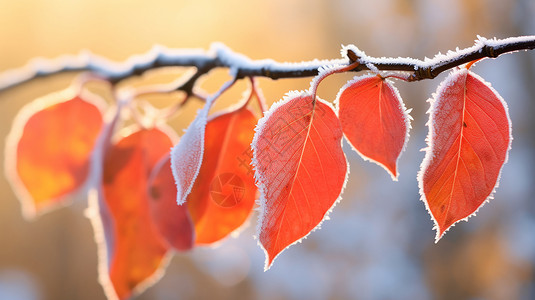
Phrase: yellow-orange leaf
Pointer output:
(136, 249)
(49, 148)
(224, 192)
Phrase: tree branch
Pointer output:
(220, 56)
(431, 68)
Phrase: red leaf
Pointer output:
(469, 138)
(374, 120)
(136, 250)
(300, 170)
(173, 221)
(49, 148)
(224, 193)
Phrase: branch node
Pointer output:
(353, 57)
(489, 51)
(421, 73)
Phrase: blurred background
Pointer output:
(379, 243)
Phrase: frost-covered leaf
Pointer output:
(374, 120)
(469, 138)
(135, 251)
(186, 156)
(49, 147)
(224, 192)
(300, 170)
(172, 221)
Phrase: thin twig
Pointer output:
(431, 68)
(221, 56)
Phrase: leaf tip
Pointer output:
(268, 263)
(440, 232)
(392, 170)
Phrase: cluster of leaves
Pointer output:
(70, 143)
(292, 164)
(469, 138)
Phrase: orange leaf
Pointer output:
(300, 170)
(136, 250)
(469, 138)
(173, 221)
(49, 148)
(223, 195)
(374, 120)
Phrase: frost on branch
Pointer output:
(468, 142)
(300, 169)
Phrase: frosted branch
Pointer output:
(430, 68)
(220, 56)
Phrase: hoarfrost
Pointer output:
(186, 156)
(220, 55)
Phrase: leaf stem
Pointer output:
(259, 95)
(325, 72)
